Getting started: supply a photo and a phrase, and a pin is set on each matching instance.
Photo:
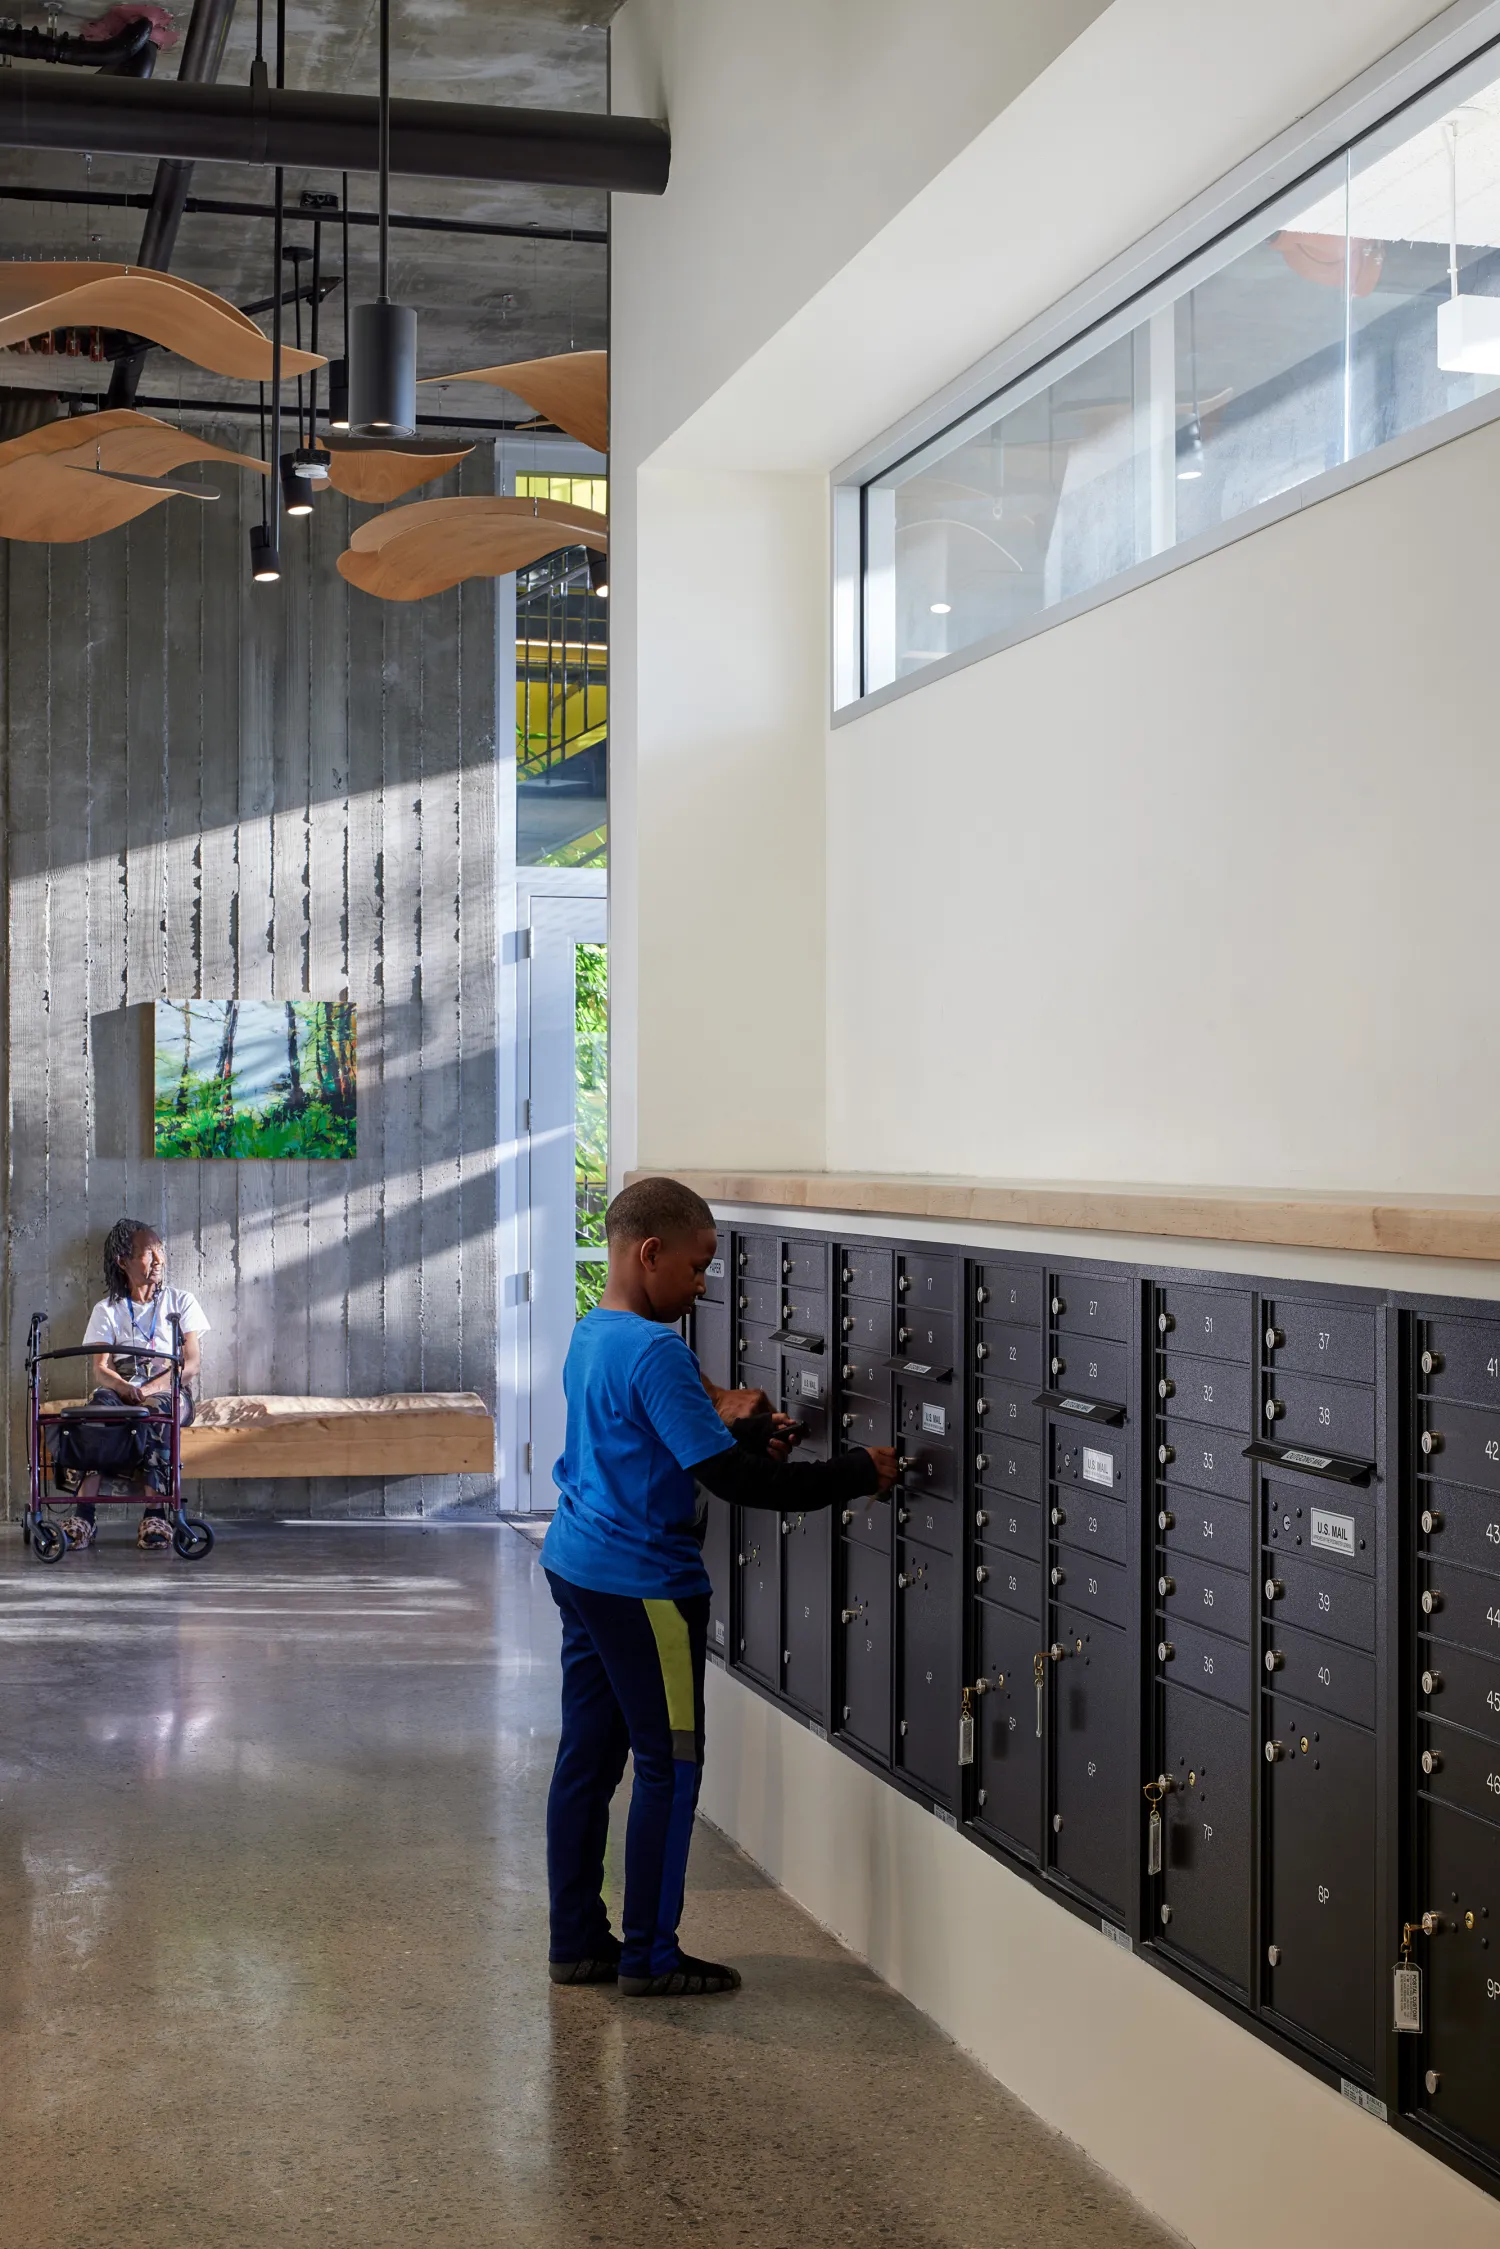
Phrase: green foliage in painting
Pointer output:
(262, 1078)
(590, 1112)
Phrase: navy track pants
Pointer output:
(632, 1681)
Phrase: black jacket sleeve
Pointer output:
(743, 1472)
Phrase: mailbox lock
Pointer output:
(744, 1259)
(846, 1276)
(1058, 1577)
(1166, 1388)
(981, 1294)
(903, 1335)
(1165, 1323)
(1058, 1306)
(1057, 1651)
(1432, 1362)
(981, 1352)
(1274, 1409)
(1273, 1954)
(1166, 1454)
(1165, 1651)
(1166, 1585)
(1431, 1520)
(848, 1518)
(981, 1408)
(980, 1518)
(744, 1303)
(901, 1514)
(981, 1462)
(1433, 2080)
(1431, 1602)
(1057, 1823)
(847, 1419)
(786, 1315)
(1166, 1915)
(1165, 1521)
(905, 1462)
(847, 1373)
(1275, 1337)
(848, 1322)
(1275, 1751)
(1432, 1924)
(1274, 1589)
(786, 1265)
(851, 1616)
(1431, 1441)
(980, 1574)
(1059, 1366)
(1274, 1659)
(1432, 1762)
(901, 1581)
(1432, 1682)
(982, 1686)
(1058, 1516)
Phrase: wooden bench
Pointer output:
(407, 1433)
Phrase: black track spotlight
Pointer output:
(338, 394)
(1190, 451)
(296, 492)
(265, 562)
(598, 574)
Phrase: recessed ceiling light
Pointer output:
(942, 608)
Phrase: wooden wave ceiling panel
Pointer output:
(42, 499)
(176, 314)
(571, 389)
(381, 477)
(434, 544)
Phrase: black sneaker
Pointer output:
(690, 1979)
(604, 1969)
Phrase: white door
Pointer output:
(567, 1116)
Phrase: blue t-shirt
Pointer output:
(638, 1419)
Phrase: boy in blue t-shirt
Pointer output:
(623, 1558)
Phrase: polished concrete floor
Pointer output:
(272, 1933)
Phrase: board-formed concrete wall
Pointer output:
(220, 790)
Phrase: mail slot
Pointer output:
(1201, 1525)
(1322, 1674)
(936, 1522)
(1459, 1526)
(758, 1257)
(1326, 1598)
(1002, 1465)
(760, 1302)
(1206, 1390)
(1010, 1580)
(928, 1337)
(868, 1272)
(1096, 1458)
(1013, 1353)
(1462, 1444)
(1002, 1407)
(1459, 1359)
(1323, 1339)
(1205, 1323)
(1338, 1524)
(1099, 1588)
(1456, 1684)
(804, 1267)
(1460, 1605)
(927, 1284)
(1091, 1525)
(1082, 1364)
(1460, 1770)
(1198, 1458)
(863, 1422)
(1009, 1292)
(1092, 1304)
(1199, 1592)
(1018, 1525)
(1205, 1661)
(1332, 1416)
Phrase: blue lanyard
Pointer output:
(135, 1333)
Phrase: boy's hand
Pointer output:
(887, 1467)
(785, 1432)
(738, 1405)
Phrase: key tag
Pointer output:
(966, 1730)
(1406, 1988)
(1153, 1792)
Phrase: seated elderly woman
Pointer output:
(132, 1324)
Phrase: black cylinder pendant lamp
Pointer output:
(383, 336)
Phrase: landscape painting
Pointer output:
(255, 1078)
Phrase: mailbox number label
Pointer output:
(1492, 1448)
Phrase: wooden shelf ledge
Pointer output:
(1461, 1227)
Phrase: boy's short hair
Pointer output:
(660, 1207)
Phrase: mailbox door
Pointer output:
(865, 1647)
(1007, 1749)
(1320, 1879)
(718, 1560)
(1458, 2082)
(758, 1632)
(1098, 1817)
(1206, 1853)
(927, 1669)
(805, 1548)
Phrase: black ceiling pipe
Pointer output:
(131, 52)
(202, 53)
(331, 132)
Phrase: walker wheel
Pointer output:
(48, 1543)
(192, 1538)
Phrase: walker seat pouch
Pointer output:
(84, 1444)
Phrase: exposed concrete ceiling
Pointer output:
(480, 299)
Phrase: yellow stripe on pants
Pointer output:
(675, 1654)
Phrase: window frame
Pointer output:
(1430, 69)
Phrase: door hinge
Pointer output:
(526, 1459)
(526, 1116)
(526, 1280)
(523, 944)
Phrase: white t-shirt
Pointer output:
(128, 1331)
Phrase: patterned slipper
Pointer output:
(77, 1530)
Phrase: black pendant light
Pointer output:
(383, 337)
